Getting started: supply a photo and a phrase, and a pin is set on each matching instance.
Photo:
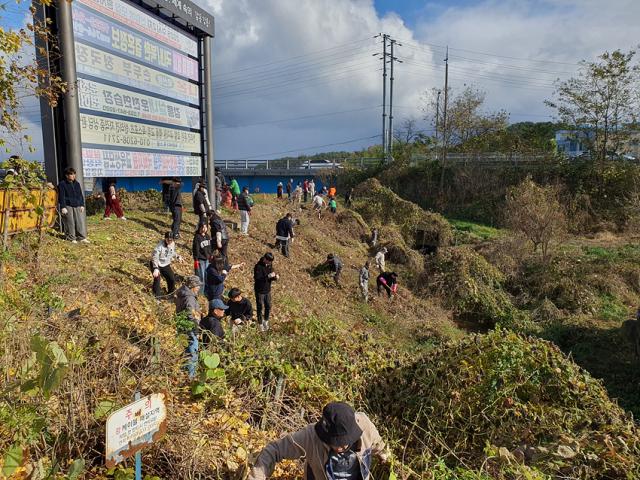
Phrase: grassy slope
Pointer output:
(119, 321)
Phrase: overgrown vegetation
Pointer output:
(508, 407)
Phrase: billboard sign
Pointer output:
(138, 92)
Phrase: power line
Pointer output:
(333, 66)
(292, 58)
(302, 66)
(309, 148)
(284, 84)
(290, 89)
(407, 43)
(300, 118)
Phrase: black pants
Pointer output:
(283, 245)
(263, 299)
(305, 193)
(167, 274)
(176, 213)
(223, 250)
(381, 286)
(336, 276)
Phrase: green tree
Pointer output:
(601, 103)
(468, 124)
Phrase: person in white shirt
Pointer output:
(163, 255)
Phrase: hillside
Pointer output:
(87, 311)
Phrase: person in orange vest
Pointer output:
(332, 191)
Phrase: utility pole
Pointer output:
(437, 118)
(393, 59)
(384, 95)
(444, 120)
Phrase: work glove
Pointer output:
(64, 211)
(156, 273)
(81, 209)
(219, 245)
(113, 197)
(196, 264)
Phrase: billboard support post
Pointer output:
(208, 105)
(71, 108)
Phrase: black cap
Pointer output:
(338, 426)
(268, 256)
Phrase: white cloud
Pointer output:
(565, 31)
(328, 79)
(330, 67)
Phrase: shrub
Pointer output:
(535, 211)
(507, 398)
(470, 285)
(379, 205)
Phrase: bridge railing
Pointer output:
(294, 164)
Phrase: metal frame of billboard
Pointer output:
(61, 124)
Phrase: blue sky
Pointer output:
(291, 75)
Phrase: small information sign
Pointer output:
(135, 426)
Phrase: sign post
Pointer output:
(133, 427)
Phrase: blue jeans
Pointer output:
(192, 354)
(201, 273)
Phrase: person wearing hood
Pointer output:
(187, 301)
(379, 258)
(340, 446)
(279, 190)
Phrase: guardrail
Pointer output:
(294, 164)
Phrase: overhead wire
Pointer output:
(288, 59)
(305, 117)
(354, 53)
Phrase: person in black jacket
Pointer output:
(284, 233)
(211, 325)
(244, 205)
(240, 309)
(200, 205)
(202, 251)
(71, 203)
(263, 275)
(388, 281)
(219, 233)
(175, 204)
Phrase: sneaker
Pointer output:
(74, 241)
(85, 240)
(106, 218)
(123, 218)
(176, 236)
